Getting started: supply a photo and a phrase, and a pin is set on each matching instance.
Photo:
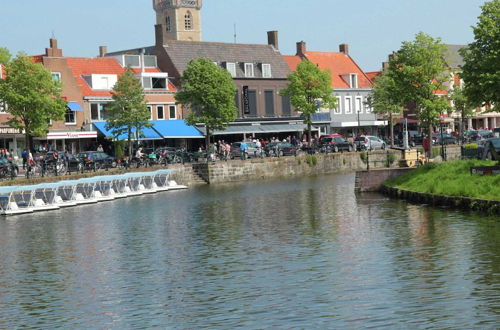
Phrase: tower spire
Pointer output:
(178, 19)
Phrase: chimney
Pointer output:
(53, 51)
(301, 49)
(344, 48)
(385, 66)
(103, 50)
(161, 35)
(272, 39)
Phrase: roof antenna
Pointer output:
(234, 32)
(53, 35)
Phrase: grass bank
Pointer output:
(451, 179)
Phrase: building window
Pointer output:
(353, 80)
(266, 71)
(188, 21)
(338, 109)
(70, 117)
(160, 112)
(348, 105)
(359, 104)
(167, 23)
(133, 61)
(172, 111)
(154, 83)
(3, 107)
(249, 70)
(98, 111)
(150, 110)
(231, 68)
(269, 102)
(56, 76)
(286, 106)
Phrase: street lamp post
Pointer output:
(359, 124)
(443, 151)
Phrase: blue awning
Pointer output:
(176, 129)
(145, 133)
(75, 106)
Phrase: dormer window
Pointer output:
(353, 80)
(266, 71)
(188, 21)
(231, 68)
(154, 80)
(249, 70)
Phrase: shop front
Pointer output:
(12, 139)
(71, 141)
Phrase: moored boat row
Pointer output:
(51, 196)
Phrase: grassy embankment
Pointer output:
(451, 179)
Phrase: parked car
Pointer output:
(278, 149)
(479, 135)
(447, 139)
(336, 144)
(91, 160)
(369, 142)
(324, 136)
(490, 149)
(252, 150)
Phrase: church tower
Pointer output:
(178, 20)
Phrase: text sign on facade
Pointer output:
(246, 103)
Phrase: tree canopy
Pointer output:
(310, 88)
(481, 71)
(418, 71)
(128, 113)
(4, 55)
(207, 91)
(384, 99)
(33, 98)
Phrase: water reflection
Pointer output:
(292, 253)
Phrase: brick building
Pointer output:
(351, 86)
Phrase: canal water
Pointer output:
(298, 253)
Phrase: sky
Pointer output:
(372, 28)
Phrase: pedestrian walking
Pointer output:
(24, 156)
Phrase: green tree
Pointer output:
(462, 105)
(383, 100)
(481, 71)
(418, 70)
(208, 92)
(309, 89)
(128, 113)
(4, 55)
(33, 98)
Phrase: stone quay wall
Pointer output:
(466, 203)
(283, 167)
(374, 180)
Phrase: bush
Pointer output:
(390, 159)
(362, 155)
(311, 160)
(119, 149)
(470, 146)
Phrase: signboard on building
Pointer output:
(71, 135)
(246, 103)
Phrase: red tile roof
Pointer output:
(88, 66)
(339, 64)
(138, 70)
(373, 75)
(100, 65)
(292, 61)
